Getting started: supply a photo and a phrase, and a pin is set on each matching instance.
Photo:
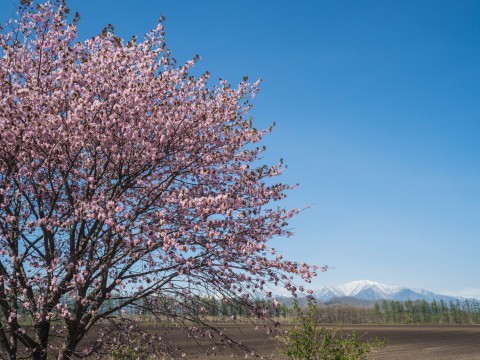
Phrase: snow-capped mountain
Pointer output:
(372, 291)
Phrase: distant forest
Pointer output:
(407, 312)
(382, 312)
(368, 312)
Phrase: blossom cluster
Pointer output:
(122, 173)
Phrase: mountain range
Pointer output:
(371, 291)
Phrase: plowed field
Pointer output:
(404, 342)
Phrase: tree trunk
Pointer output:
(69, 346)
(40, 354)
(7, 351)
(42, 330)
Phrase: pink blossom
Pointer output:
(124, 177)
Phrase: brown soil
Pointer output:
(404, 342)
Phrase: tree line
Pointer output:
(424, 312)
(404, 312)
(382, 312)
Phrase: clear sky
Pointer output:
(377, 105)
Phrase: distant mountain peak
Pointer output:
(355, 287)
(372, 291)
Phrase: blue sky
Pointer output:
(377, 105)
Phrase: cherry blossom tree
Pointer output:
(124, 182)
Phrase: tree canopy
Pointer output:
(124, 181)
